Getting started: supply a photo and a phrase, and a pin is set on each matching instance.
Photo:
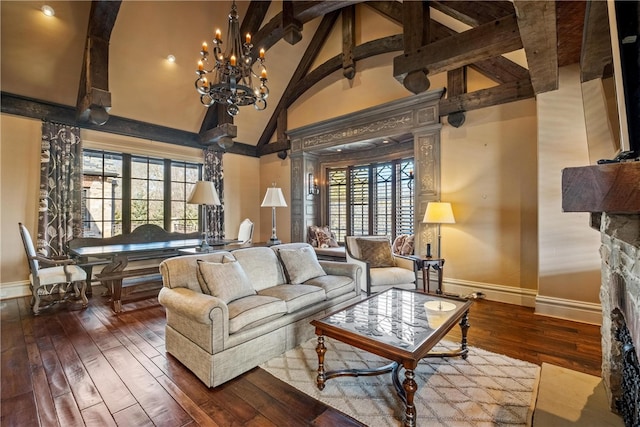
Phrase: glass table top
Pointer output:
(397, 317)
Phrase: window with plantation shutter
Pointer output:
(371, 199)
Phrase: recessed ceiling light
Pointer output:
(339, 150)
(171, 58)
(385, 141)
(48, 10)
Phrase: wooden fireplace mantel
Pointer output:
(612, 188)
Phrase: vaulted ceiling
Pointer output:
(46, 74)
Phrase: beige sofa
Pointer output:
(220, 337)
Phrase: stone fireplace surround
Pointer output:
(612, 194)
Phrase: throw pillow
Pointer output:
(408, 246)
(311, 236)
(226, 280)
(396, 247)
(376, 252)
(301, 264)
(325, 238)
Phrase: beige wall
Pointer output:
(501, 194)
(569, 259)
(20, 175)
(19, 181)
(488, 175)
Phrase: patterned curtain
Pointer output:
(213, 171)
(60, 198)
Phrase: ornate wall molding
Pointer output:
(417, 115)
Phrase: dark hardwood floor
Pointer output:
(72, 367)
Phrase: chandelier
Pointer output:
(230, 73)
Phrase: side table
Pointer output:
(428, 263)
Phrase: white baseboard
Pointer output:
(578, 311)
(492, 292)
(14, 289)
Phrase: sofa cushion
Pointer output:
(333, 286)
(391, 276)
(262, 266)
(296, 296)
(226, 280)
(254, 310)
(376, 252)
(300, 264)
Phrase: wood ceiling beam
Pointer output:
(596, 41)
(487, 40)
(537, 25)
(310, 55)
(474, 13)
(415, 34)
(41, 110)
(291, 27)
(348, 41)
(508, 92)
(94, 98)
(363, 51)
(498, 68)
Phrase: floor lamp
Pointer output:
(273, 199)
(204, 193)
(438, 213)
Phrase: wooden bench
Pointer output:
(125, 283)
(131, 285)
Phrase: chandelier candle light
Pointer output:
(231, 72)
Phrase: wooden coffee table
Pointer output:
(399, 325)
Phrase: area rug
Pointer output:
(568, 398)
(487, 389)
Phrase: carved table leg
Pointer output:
(321, 350)
(410, 388)
(464, 326)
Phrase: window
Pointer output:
(371, 199)
(123, 191)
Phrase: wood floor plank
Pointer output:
(132, 416)
(67, 410)
(190, 407)
(115, 394)
(117, 325)
(55, 374)
(98, 415)
(123, 356)
(153, 399)
(19, 411)
(45, 404)
(81, 384)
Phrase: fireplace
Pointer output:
(611, 193)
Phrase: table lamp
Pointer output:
(273, 199)
(204, 193)
(438, 213)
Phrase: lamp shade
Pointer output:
(439, 213)
(274, 198)
(204, 193)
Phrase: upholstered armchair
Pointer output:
(381, 269)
